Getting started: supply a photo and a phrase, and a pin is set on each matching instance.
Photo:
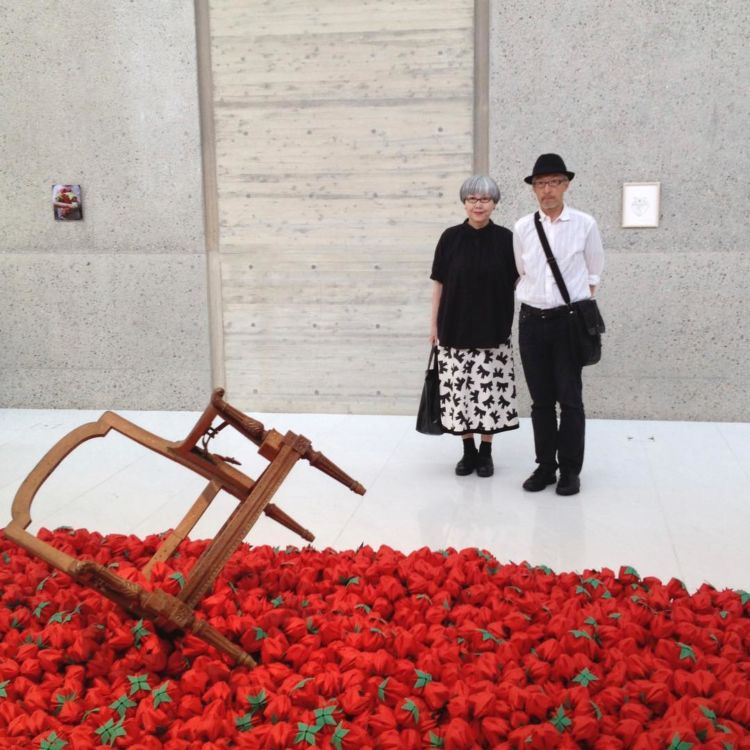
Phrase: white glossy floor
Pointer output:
(669, 498)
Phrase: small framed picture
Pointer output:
(640, 204)
(66, 202)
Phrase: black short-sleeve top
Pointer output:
(478, 272)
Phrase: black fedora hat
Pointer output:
(549, 164)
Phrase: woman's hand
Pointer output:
(437, 291)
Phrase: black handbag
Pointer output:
(428, 416)
(586, 323)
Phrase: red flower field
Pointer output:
(371, 649)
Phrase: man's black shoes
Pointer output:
(569, 484)
(542, 477)
(485, 467)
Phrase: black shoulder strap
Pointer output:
(551, 258)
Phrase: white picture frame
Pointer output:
(640, 204)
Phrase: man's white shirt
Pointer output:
(577, 246)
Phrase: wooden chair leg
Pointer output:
(170, 544)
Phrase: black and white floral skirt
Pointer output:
(477, 389)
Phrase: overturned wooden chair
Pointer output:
(176, 613)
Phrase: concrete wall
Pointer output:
(630, 91)
(343, 133)
(109, 311)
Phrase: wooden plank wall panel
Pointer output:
(343, 131)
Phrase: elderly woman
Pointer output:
(474, 275)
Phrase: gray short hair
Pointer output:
(480, 184)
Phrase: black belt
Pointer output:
(544, 314)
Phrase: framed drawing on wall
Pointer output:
(640, 204)
(66, 202)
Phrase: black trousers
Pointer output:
(553, 376)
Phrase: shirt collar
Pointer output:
(564, 216)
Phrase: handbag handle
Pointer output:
(433, 354)
(551, 259)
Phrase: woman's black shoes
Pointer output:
(481, 459)
(466, 466)
(485, 467)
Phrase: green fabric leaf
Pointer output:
(161, 695)
(630, 571)
(584, 677)
(90, 711)
(110, 731)
(560, 721)
(365, 607)
(347, 581)
(615, 615)
(423, 678)
(139, 632)
(41, 583)
(546, 570)
(593, 582)
(591, 621)
(260, 699)
(300, 684)
(52, 742)
(686, 652)
(744, 596)
(381, 689)
(582, 590)
(39, 609)
(6, 558)
(338, 736)
(411, 707)
(580, 634)
(244, 723)
(61, 699)
(260, 634)
(708, 713)
(139, 682)
(678, 744)
(607, 595)
(324, 716)
(306, 733)
(597, 710)
(177, 576)
(122, 704)
(278, 601)
(310, 626)
(436, 741)
(3, 692)
(425, 597)
(487, 636)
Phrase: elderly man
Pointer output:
(550, 363)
